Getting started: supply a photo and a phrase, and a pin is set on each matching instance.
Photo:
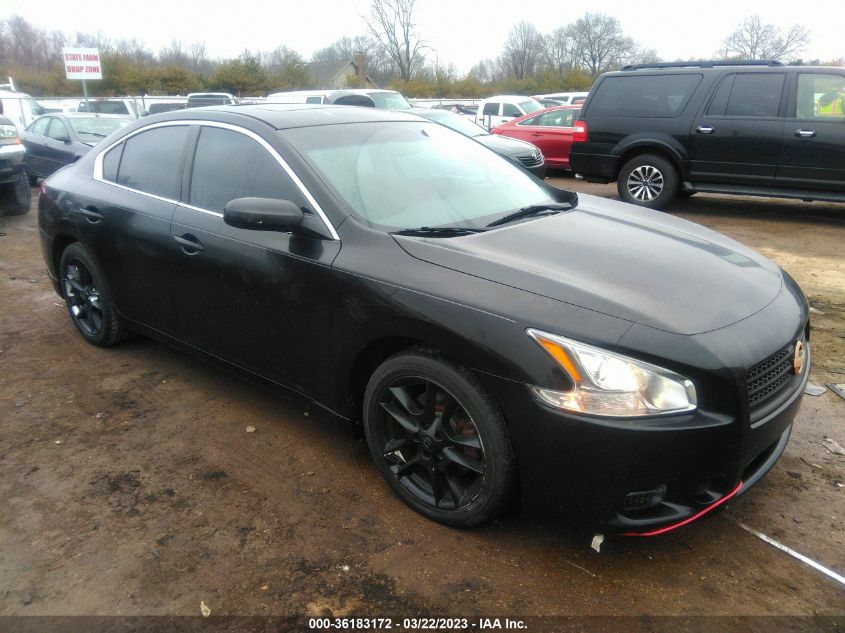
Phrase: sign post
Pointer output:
(82, 64)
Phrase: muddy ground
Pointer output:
(129, 485)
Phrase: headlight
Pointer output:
(610, 384)
(9, 135)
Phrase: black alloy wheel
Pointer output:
(87, 299)
(83, 298)
(438, 439)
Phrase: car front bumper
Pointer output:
(589, 470)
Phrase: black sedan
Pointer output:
(526, 154)
(495, 335)
(56, 140)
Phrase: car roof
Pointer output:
(86, 115)
(288, 115)
(508, 98)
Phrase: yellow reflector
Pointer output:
(560, 355)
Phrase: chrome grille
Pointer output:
(531, 160)
(767, 378)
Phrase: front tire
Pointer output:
(439, 439)
(647, 180)
(18, 198)
(87, 298)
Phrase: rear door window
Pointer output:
(491, 109)
(151, 161)
(755, 95)
(820, 96)
(644, 95)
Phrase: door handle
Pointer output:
(190, 244)
(91, 214)
(805, 133)
(704, 129)
(536, 134)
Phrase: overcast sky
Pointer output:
(460, 31)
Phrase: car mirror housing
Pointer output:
(263, 214)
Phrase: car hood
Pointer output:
(505, 145)
(621, 260)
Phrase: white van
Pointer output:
(565, 98)
(494, 111)
(297, 96)
(19, 108)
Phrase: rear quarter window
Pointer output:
(644, 95)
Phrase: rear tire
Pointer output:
(647, 180)
(88, 300)
(18, 196)
(439, 439)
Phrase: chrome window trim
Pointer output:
(98, 166)
(185, 205)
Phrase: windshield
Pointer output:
(401, 175)
(95, 128)
(530, 106)
(389, 101)
(104, 107)
(34, 107)
(456, 122)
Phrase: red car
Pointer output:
(549, 129)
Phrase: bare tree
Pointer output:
(559, 50)
(380, 66)
(756, 40)
(174, 54)
(392, 25)
(345, 48)
(600, 43)
(485, 71)
(198, 56)
(522, 50)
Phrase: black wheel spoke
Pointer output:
(457, 491)
(449, 407)
(404, 398)
(96, 319)
(469, 441)
(430, 401)
(407, 423)
(395, 445)
(406, 468)
(75, 285)
(438, 490)
(455, 456)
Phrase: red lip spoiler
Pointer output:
(698, 515)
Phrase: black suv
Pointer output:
(754, 128)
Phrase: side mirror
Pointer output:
(262, 214)
(66, 140)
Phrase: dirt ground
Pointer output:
(129, 485)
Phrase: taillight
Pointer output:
(579, 134)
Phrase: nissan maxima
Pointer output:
(499, 339)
